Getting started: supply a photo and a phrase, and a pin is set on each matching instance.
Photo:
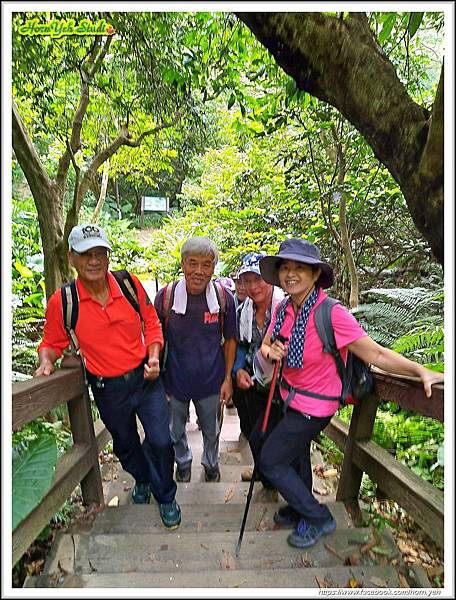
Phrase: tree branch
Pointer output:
(432, 158)
(76, 127)
(28, 159)
(122, 140)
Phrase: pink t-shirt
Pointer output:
(319, 372)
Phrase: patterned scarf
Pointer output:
(296, 346)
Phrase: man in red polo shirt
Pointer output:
(122, 367)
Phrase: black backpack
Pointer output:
(356, 375)
(70, 303)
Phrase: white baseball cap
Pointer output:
(85, 237)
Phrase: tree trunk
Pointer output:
(104, 187)
(339, 61)
(117, 194)
(48, 198)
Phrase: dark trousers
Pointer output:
(247, 413)
(284, 461)
(250, 405)
(119, 402)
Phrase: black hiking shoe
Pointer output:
(183, 475)
(287, 517)
(212, 475)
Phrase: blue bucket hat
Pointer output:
(251, 263)
(301, 251)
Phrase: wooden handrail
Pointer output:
(35, 398)
(423, 502)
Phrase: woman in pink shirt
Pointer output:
(299, 270)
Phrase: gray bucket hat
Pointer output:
(300, 251)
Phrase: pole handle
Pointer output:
(275, 373)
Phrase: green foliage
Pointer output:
(32, 473)
(414, 440)
(409, 321)
(27, 258)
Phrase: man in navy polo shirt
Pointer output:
(201, 346)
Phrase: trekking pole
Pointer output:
(264, 426)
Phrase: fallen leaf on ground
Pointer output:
(318, 470)
(114, 501)
(333, 551)
(262, 524)
(367, 546)
(380, 550)
(229, 495)
(353, 583)
(305, 561)
(329, 473)
(352, 560)
(403, 583)
(35, 567)
(322, 583)
(227, 561)
(378, 582)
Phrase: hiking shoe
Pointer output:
(141, 493)
(170, 515)
(287, 517)
(306, 535)
(212, 475)
(184, 475)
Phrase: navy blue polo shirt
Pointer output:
(195, 365)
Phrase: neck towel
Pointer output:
(246, 316)
(180, 298)
(295, 350)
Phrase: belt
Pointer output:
(99, 381)
(292, 391)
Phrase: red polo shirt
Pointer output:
(109, 336)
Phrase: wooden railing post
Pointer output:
(361, 426)
(83, 433)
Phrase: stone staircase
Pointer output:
(127, 547)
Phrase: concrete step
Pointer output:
(196, 519)
(175, 552)
(335, 577)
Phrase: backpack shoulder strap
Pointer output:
(167, 302)
(70, 311)
(221, 298)
(221, 295)
(128, 287)
(323, 325)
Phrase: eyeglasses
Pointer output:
(89, 255)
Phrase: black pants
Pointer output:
(250, 405)
(284, 461)
(240, 403)
(119, 402)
